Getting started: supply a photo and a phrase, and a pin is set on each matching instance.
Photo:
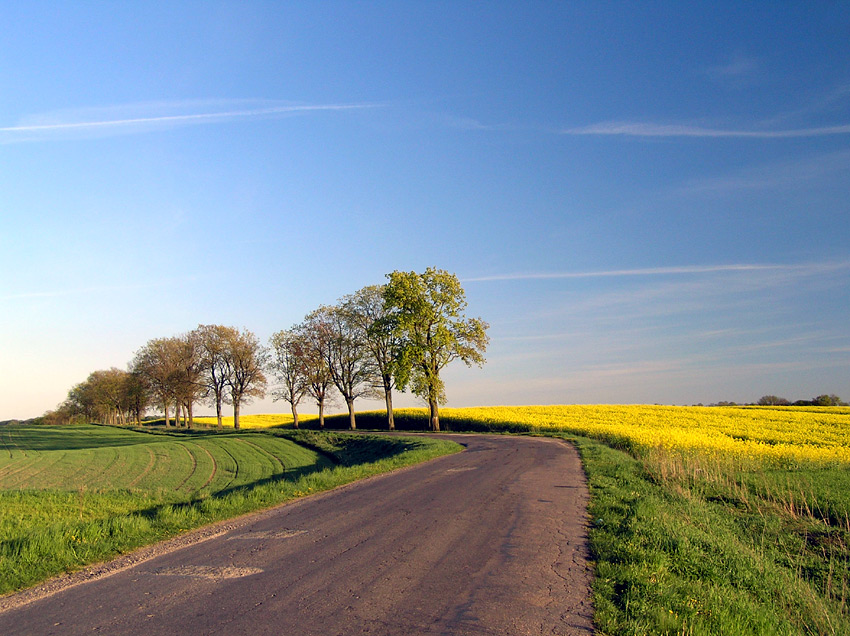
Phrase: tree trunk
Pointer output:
(435, 414)
(165, 408)
(388, 395)
(191, 415)
(177, 412)
(294, 416)
(218, 409)
(236, 414)
(321, 404)
(351, 423)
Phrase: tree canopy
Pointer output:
(427, 316)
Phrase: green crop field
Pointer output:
(93, 458)
(73, 495)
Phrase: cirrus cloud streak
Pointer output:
(638, 129)
(97, 121)
(660, 271)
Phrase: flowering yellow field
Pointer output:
(775, 435)
(255, 421)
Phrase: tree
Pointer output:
(81, 401)
(158, 363)
(108, 396)
(189, 381)
(245, 358)
(65, 413)
(290, 365)
(112, 395)
(427, 315)
(212, 343)
(320, 384)
(346, 355)
(772, 400)
(137, 396)
(827, 400)
(368, 311)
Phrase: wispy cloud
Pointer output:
(735, 67)
(659, 271)
(132, 118)
(642, 129)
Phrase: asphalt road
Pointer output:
(488, 541)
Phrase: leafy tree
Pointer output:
(827, 400)
(111, 388)
(212, 342)
(772, 400)
(289, 363)
(345, 352)
(158, 364)
(81, 401)
(368, 312)
(320, 386)
(245, 360)
(190, 383)
(65, 413)
(427, 315)
(108, 396)
(138, 397)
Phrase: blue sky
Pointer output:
(648, 202)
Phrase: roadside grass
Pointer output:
(52, 529)
(677, 554)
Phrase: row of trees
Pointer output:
(213, 364)
(395, 336)
(821, 400)
(775, 400)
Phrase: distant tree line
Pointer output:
(773, 400)
(821, 400)
(395, 336)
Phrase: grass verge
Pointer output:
(88, 526)
(699, 551)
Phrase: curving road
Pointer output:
(488, 541)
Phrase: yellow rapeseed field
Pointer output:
(771, 435)
(255, 421)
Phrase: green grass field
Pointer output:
(88, 457)
(74, 495)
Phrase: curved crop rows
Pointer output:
(36, 460)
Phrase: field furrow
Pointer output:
(148, 468)
(276, 461)
(213, 471)
(194, 466)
